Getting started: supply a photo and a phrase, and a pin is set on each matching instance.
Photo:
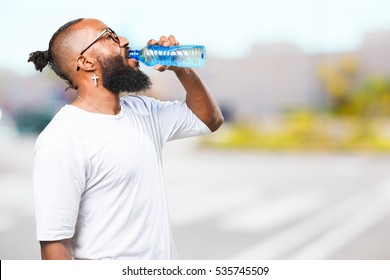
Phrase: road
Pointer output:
(239, 204)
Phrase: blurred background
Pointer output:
(299, 170)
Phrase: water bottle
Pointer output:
(182, 56)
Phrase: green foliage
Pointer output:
(307, 131)
(350, 94)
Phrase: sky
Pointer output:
(227, 28)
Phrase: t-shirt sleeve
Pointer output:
(58, 183)
(177, 121)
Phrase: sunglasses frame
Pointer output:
(108, 30)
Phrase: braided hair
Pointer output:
(50, 57)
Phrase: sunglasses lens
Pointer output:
(113, 35)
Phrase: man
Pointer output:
(98, 183)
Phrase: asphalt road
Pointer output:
(239, 205)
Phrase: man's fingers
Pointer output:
(173, 40)
(151, 42)
(160, 68)
(164, 41)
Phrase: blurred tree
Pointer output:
(350, 94)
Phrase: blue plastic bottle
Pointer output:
(182, 56)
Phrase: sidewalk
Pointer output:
(239, 204)
(17, 228)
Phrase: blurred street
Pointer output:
(239, 204)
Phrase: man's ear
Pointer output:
(83, 62)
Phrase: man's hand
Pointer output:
(56, 250)
(166, 42)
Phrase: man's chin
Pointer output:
(121, 83)
(134, 64)
(121, 75)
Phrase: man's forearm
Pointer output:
(199, 99)
(56, 250)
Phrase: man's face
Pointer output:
(119, 73)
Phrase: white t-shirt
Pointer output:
(98, 178)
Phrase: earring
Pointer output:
(95, 78)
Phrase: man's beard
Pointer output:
(119, 77)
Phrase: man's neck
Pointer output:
(97, 100)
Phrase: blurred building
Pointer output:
(374, 54)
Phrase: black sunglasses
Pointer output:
(111, 34)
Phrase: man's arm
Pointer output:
(56, 250)
(198, 98)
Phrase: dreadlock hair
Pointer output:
(51, 56)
